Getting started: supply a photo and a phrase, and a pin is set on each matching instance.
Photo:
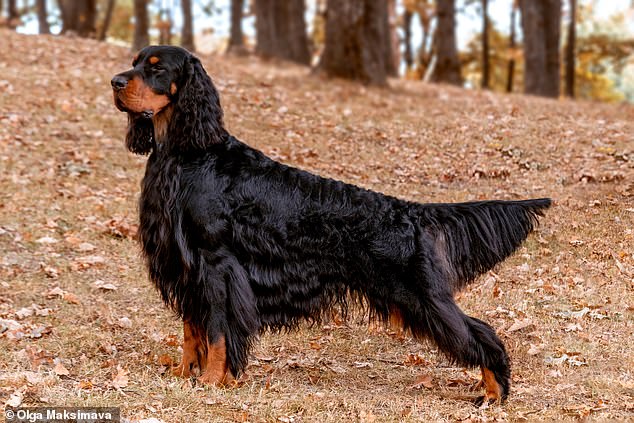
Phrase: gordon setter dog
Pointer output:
(238, 243)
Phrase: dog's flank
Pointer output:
(237, 243)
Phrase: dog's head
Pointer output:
(169, 99)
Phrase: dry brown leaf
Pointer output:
(121, 379)
(425, 381)
(69, 297)
(86, 384)
(166, 360)
(60, 370)
(520, 324)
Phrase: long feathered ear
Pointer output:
(197, 119)
(140, 136)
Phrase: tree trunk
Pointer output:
(407, 39)
(485, 44)
(281, 30)
(79, 17)
(236, 40)
(391, 48)
(42, 17)
(511, 66)
(541, 21)
(13, 17)
(187, 37)
(142, 23)
(355, 36)
(426, 50)
(87, 18)
(447, 68)
(106, 20)
(69, 12)
(570, 50)
(164, 25)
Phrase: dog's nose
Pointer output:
(119, 82)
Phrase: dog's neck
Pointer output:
(161, 124)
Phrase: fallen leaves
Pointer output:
(105, 286)
(423, 381)
(57, 292)
(60, 370)
(70, 222)
(120, 379)
(571, 359)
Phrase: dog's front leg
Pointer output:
(194, 353)
(216, 369)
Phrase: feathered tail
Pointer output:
(471, 238)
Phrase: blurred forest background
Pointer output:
(577, 48)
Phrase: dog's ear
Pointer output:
(140, 136)
(197, 120)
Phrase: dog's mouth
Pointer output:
(137, 110)
(140, 100)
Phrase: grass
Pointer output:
(563, 304)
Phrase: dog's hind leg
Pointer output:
(470, 342)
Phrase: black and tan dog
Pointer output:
(238, 243)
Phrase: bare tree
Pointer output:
(355, 40)
(485, 44)
(142, 23)
(164, 25)
(42, 17)
(236, 40)
(512, 46)
(87, 15)
(407, 39)
(79, 17)
(570, 50)
(187, 37)
(447, 68)
(541, 20)
(281, 30)
(106, 20)
(391, 48)
(13, 17)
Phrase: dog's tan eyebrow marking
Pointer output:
(154, 60)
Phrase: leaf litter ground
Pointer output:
(81, 325)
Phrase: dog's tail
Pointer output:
(471, 238)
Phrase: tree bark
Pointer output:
(42, 17)
(142, 23)
(236, 40)
(570, 50)
(391, 48)
(511, 65)
(407, 39)
(355, 35)
(447, 68)
(541, 21)
(79, 17)
(187, 37)
(13, 18)
(106, 20)
(485, 45)
(87, 18)
(281, 30)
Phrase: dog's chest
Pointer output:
(159, 213)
